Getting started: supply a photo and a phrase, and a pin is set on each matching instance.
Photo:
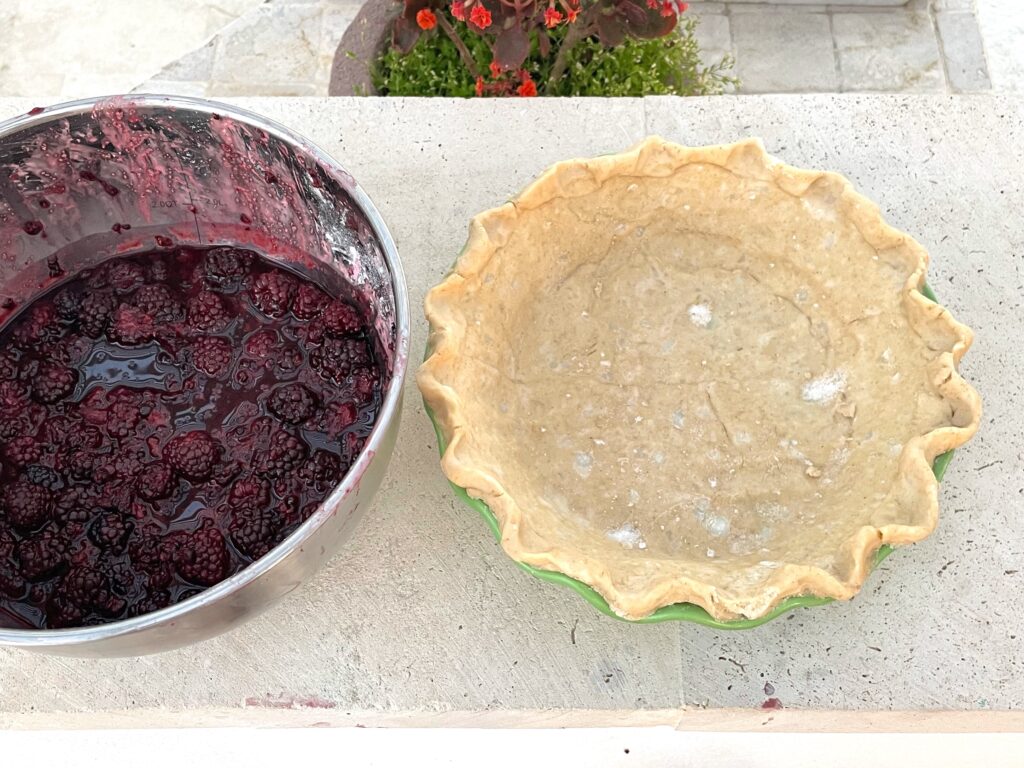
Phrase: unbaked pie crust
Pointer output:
(696, 375)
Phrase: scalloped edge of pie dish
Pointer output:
(656, 157)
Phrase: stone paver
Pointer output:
(72, 49)
(714, 36)
(1002, 30)
(964, 53)
(784, 52)
(890, 52)
(278, 49)
(801, 46)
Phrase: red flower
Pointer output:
(459, 10)
(426, 19)
(572, 13)
(479, 86)
(683, 7)
(528, 88)
(652, 4)
(552, 17)
(480, 16)
(495, 70)
(667, 9)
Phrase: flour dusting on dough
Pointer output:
(824, 388)
(700, 315)
(628, 536)
(583, 464)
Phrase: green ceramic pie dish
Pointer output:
(677, 611)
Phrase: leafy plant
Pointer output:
(666, 65)
(546, 31)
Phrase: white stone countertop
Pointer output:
(422, 611)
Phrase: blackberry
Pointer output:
(253, 531)
(224, 269)
(338, 358)
(286, 453)
(61, 613)
(79, 465)
(363, 383)
(157, 302)
(272, 292)
(155, 481)
(82, 586)
(23, 450)
(131, 326)
(125, 276)
(84, 437)
(202, 557)
(336, 418)
(8, 367)
(248, 494)
(72, 506)
(67, 303)
(27, 505)
(13, 398)
(40, 326)
(53, 383)
(292, 403)
(41, 555)
(211, 355)
(206, 312)
(309, 301)
(341, 319)
(12, 583)
(261, 344)
(122, 417)
(44, 477)
(322, 471)
(154, 600)
(193, 455)
(110, 531)
(95, 312)
(153, 553)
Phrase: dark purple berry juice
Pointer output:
(167, 418)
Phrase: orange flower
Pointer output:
(528, 88)
(459, 10)
(552, 18)
(480, 16)
(571, 14)
(426, 19)
(495, 70)
(479, 86)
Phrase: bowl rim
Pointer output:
(676, 611)
(390, 407)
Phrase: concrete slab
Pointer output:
(422, 611)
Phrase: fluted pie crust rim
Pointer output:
(651, 159)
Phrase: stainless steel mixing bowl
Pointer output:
(83, 181)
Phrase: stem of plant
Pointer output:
(464, 54)
(576, 33)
